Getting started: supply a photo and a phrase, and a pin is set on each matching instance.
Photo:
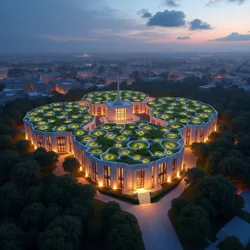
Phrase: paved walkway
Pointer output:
(157, 230)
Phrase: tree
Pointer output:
(8, 160)
(26, 174)
(6, 142)
(54, 239)
(124, 233)
(193, 176)
(13, 199)
(78, 210)
(32, 216)
(72, 228)
(201, 150)
(195, 225)
(46, 159)
(111, 208)
(218, 196)
(71, 165)
(51, 212)
(231, 242)
(23, 146)
(234, 168)
(11, 237)
(178, 204)
(34, 194)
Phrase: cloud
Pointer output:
(144, 13)
(198, 24)
(183, 38)
(168, 19)
(233, 37)
(171, 3)
(212, 2)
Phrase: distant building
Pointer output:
(36, 94)
(63, 86)
(11, 94)
(153, 79)
(112, 79)
(86, 73)
(25, 83)
(49, 77)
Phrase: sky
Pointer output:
(124, 25)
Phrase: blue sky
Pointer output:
(118, 25)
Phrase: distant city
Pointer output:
(39, 75)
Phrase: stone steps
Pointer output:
(144, 198)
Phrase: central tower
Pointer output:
(118, 110)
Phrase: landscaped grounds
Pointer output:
(136, 143)
(59, 117)
(181, 111)
(107, 96)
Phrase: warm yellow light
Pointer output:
(178, 175)
(86, 175)
(80, 168)
(100, 185)
(114, 187)
(169, 180)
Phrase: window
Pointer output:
(99, 111)
(120, 177)
(202, 136)
(196, 135)
(48, 143)
(121, 114)
(136, 109)
(174, 168)
(61, 147)
(162, 172)
(153, 176)
(107, 177)
(70, 144)
(83, 163)
(39, 141)
(188, 136)
(94, 172)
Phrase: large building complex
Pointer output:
(115, 147)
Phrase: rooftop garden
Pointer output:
(181, 111)
(107, 96)
(136, 143)
(63, 116)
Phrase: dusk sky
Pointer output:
(124, 25)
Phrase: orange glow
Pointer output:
(80, 168)
(178, 175)
(86, 175)
(169, 179)
(100, 185)
(114, 187)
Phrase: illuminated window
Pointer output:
(107, 176)
(174, 168)
(120, 177)
(94, 172)
(121, 114)
(153, 176)
(61, 147)
(162, 169)
(39, 141)
(48, 143)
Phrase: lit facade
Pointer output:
(120, 153)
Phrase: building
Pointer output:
(11, 94)
(123, 153)
(63, 86)
(25, 83)
(86, 73)
(49, 77)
